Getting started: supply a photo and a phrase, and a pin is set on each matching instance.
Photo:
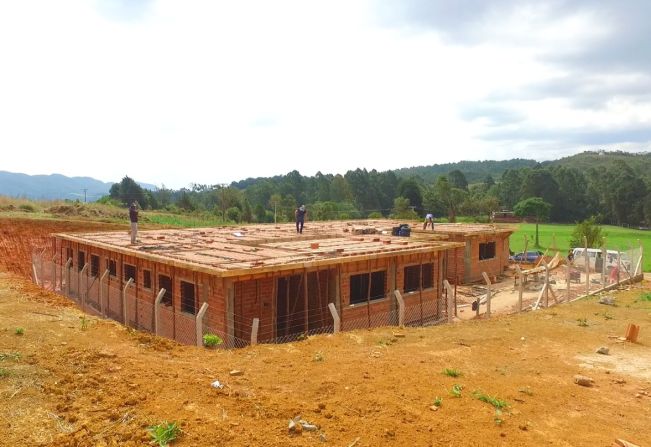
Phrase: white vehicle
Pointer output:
(595, 258)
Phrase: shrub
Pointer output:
(211, 340)
(20, 331)
(450, 372)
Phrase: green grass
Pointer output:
(4, 372)
(438, 401)
(15, 356)
(494, 401)
(456, 390)
(450, 372)
(617, 238)
(20, 331)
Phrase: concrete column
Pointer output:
(488, 296)
(254, 331)
(124, 301)
(451, 300)
(199, 323)
(101, 291)
(335, 318)
(157, 301)
(401, 308)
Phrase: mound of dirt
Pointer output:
(83, 210)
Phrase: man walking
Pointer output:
(133, 217)
(300, 218)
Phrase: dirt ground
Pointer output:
(75, 380)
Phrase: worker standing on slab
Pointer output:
(133, 217)
(429, 220)
(300, 218)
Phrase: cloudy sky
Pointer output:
(205, 91)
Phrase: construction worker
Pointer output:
(300, 218)
(429, 220)
(133, 217)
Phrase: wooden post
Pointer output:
(199, 323)
(619, 266)
(524, 253)
(101, 291)
(488, 295)
(159, 297)
(587, 265)
(451, 300)
(604, 257)
(35, 274)
(335, 318)
(520, 276)
(546, 285)
(401, 308)
(568, 274)
(254, 331)
(124, 300)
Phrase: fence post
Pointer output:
(124, 301)
(82, 292)
(54, 273)
(101, 291)
(159, 297)
(488, 295)
(67, 267)
(451, 300)
(546, 286)
(638, 267)
(619, 266)
(587, 265)
(604, 258)
(35, 274)
(199, 323)
(335, 317)
(401, 308)
(568, 274)
(520, 286)
(254, 331)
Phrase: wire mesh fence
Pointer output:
(553, 281)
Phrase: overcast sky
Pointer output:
(180, 91)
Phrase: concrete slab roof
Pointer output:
(252, 249)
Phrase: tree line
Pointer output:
(612, 194)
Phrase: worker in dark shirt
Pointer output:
(133, 217)
(300, 218)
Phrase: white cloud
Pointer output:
(178, 92)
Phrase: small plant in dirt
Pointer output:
(15, 356)
(583, 322)
(318, 357)
(607, 316)
(645, 297)
(498, 417)
(4, 372)
(84, 323)
(20, 331)
(438, 401)
(211, 340)
(387, 341)
(450, 372)
(494, 401)
(456, 390)
(164, 433)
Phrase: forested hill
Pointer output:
(474, 171)
(640, 163)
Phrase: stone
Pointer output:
(607, 300)
(236, 372)
(434, 408)
(309, 427)
(603, 350)
(623, 443)
(583, 380)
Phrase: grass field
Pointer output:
(617, 238)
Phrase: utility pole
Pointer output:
(85, 189)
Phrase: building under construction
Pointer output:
(268, 277)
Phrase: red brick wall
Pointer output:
(494, 266)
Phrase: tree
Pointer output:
(458, 180)
(410, 189)
(402, 209)
(443, 198)
(128, 191)
(588, 229)
(534, 207)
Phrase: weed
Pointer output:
(84, 323)
(9, 356)
(318, 357)
(438, 401)
(385, 341)
(456, 390)
(4, 372)
(164, 433)
(20, 331)
(583, 322)
(607, 316)
(526, 390)
(494, 401)
(211, 340)
(498, 417)
(645, 297)
(450, 372)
